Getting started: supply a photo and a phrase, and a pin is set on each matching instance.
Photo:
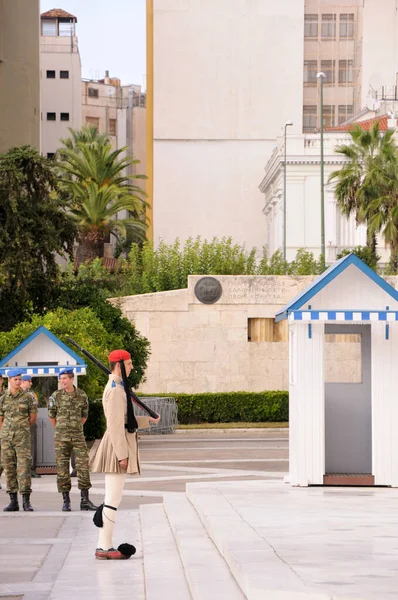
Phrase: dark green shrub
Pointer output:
(230, 407)
(94, 427)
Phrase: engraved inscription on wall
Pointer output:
(252, 289)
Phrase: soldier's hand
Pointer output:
(154, 421)
(124, 463)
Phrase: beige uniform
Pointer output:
(117, 443)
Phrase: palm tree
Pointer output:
(356, 189)
(95, 180)
(382, 212)
(95, 212)
(88, 134)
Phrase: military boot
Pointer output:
(85, 503)
(66, 505)
(26, 505)
(13, 506)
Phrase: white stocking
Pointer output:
(114, 484)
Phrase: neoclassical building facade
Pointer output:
(303, 197)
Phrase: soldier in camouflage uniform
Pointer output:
(18, 412)
(68, 411)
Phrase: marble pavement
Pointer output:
(237, 532)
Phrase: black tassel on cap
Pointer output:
(132, 424)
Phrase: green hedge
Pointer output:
(223, 407)
(230, 407)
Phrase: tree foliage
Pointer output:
(35, 227)
(149, 269)
(365, 253)
(366, 185)
(88, 289)
(96, 181)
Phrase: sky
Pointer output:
(111, 37)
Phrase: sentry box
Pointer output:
(343, 379)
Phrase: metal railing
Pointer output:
(167, 409)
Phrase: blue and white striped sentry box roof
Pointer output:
(351, 316)
(46, 371)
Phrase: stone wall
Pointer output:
(204, 348)
(199, 347)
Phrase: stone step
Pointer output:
(260, 572)
(163, 570)
(208, 576)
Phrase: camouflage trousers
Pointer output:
(1, 465)
(17, 463)
(63, 451)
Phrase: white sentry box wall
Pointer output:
(348, 294)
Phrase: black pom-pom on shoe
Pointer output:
(127, 550)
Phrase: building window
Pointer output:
(64, 74)
(49, 27)
(51, 155)
(64, 116)
(267, 330)
(66, 27)
(328, 115)
(311, 26)
(346, 72)
(93, 121)
(50, 74)
(328, 29)
(328, 67)
(347, 26)
(112, 126)
(93, 93)
(309, 118)
(310, 71)
(346, 111)
(51, 116)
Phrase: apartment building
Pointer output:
(333, 45)
(119, 111)
(60, 79)
(355, 44)
(19, 74)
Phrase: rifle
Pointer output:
(105, 369)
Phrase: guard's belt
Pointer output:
(126, 427)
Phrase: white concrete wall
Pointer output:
(380, 45)
(348, 289)
(384, 404)
(225, 82)
(306, 405)
(41, 349)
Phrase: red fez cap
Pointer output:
(117, 355)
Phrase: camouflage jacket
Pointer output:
(15, 411)
(68, 409)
